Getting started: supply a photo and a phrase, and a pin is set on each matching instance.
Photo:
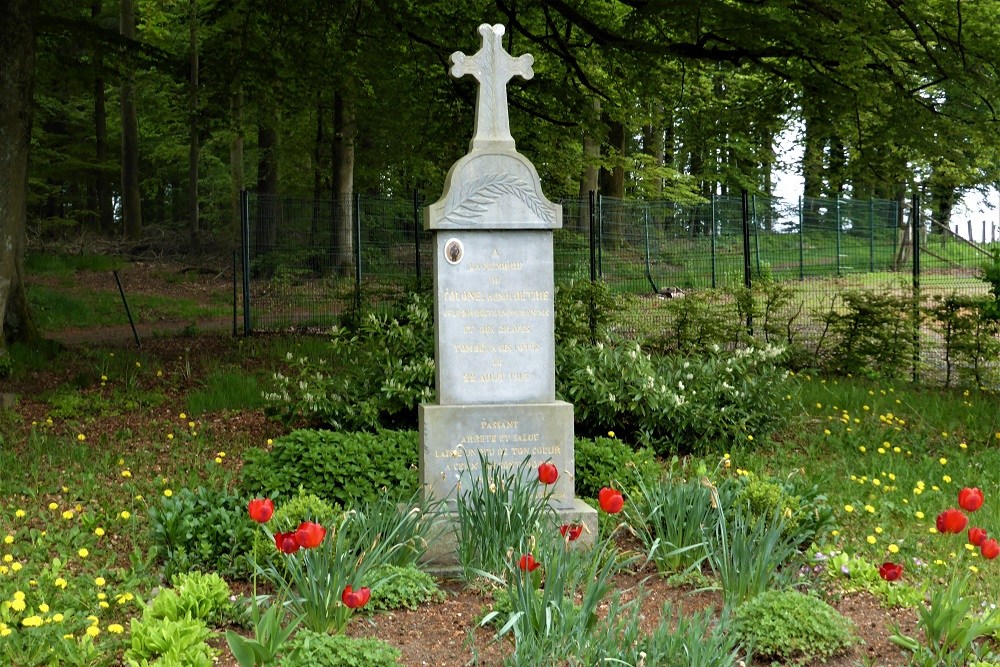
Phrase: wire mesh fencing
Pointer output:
(311, 263)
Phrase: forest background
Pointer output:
(139, 116)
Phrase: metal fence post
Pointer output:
(416, 234)
(245, 243)
(747, 282)
(713, 241)
(836, 207)
(871, 235)
(591, 311)
(915, 224)
(234, 293)
(756, 238)
(802, 243)
(600, 236)
(645, 230)
(357, 252)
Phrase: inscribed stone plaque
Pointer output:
(453, 437)
(494, 317)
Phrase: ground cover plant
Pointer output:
(127, 490)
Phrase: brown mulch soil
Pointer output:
(443, 633)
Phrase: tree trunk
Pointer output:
(193, 146)
(17, 78)
(342, 238)
(613, 178)
(236, 158)
(588, 180)
(131, 202)
(105, 212)
(318, 189)
(268, 203)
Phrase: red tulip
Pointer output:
(547, 473)
(890, 571)
(310, 535)
(989, 549)
(286, 542)
(970, 499)
(572, 530)
(976, 536)
(261, 509)
(611, 501)
(528, 563)
(951, 521)
(355, 599)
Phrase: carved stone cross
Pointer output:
(493, 67)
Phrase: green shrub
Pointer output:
(675, 404)
(747, 555)
(338, 467)
(793, 627)
(398, 587)
(871, 335)
(204, 529)
(373, 377)
(169, 643)
(611, 462)
(314, 649)
(586, 310)
(196, 595)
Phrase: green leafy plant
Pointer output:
(586, 310)
(401, 587)
(747, 555)
(793, 627)
(312, 649)
(194, 595)
(872, 334)
(500, 507)
(164, 642)
(269, 637)
(609, 461)
(952, 632)
(404, 521)
(391, 372)
(203, 529)
(338, 467)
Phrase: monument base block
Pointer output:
(442, 550)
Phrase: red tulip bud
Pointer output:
(611, 501)
(547, 473)
(571, 530)
(976, 536)
(970, 499)
(355, 599)
(890, 571)
(951, 521)
(989, 549)
(528, 563)
(310, 535)
(286, 542)
(261, 509)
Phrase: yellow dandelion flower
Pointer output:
(897, 450)
(31, 621)
(59, 582)
(9, 539)
(167, 492)
(57, 617)
(53, 506)
(115, 629)
(125, 514)
(881, 450)
(963, 445)
(20, 514)
(919, 515)
(93, 631)
(876, 481)
(973, 569)
(68, 514)
(869, 509)
(932, 530)
(126, 474)
(862, 449)
(943, 460)
(871, 539)
(893, 549)
(81, 437)
(83, 552)
(946, 479)
(271, 442)
(18, 605)
(892, 476)
(878, 529)
(848, 508)
(44, 608)
(170, 436)
(183, 416)
(835, 532)
(100, 581)
(99, 531)
(16, 567)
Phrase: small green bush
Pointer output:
(586, 310)
(343, 468)
(793, 627)
(398, 587)
(871, 334)
(196, 595)
(314, 649)
(169, 643)
(611, 462)
(204, 529)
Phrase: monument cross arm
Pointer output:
(493, 67)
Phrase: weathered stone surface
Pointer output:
(453, 436)
(493, 315)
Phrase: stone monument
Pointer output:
(493, 308)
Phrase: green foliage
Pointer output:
(401, 587)
(611, 462)
(338, 467)
(169, 643)
(748, 554)
(269, 637)
(314, 649)
(873, 334)
(586, 310)
(805, 517)
(194, 595)
(854, 573)
(952, 631)
(793, 627)
(404, 519)
(675, 404)
(373, 377)
(204, 529)
(699, 320)
(968, 327)
(500, 507)
(674, 519)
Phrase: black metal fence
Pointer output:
(307, 263)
